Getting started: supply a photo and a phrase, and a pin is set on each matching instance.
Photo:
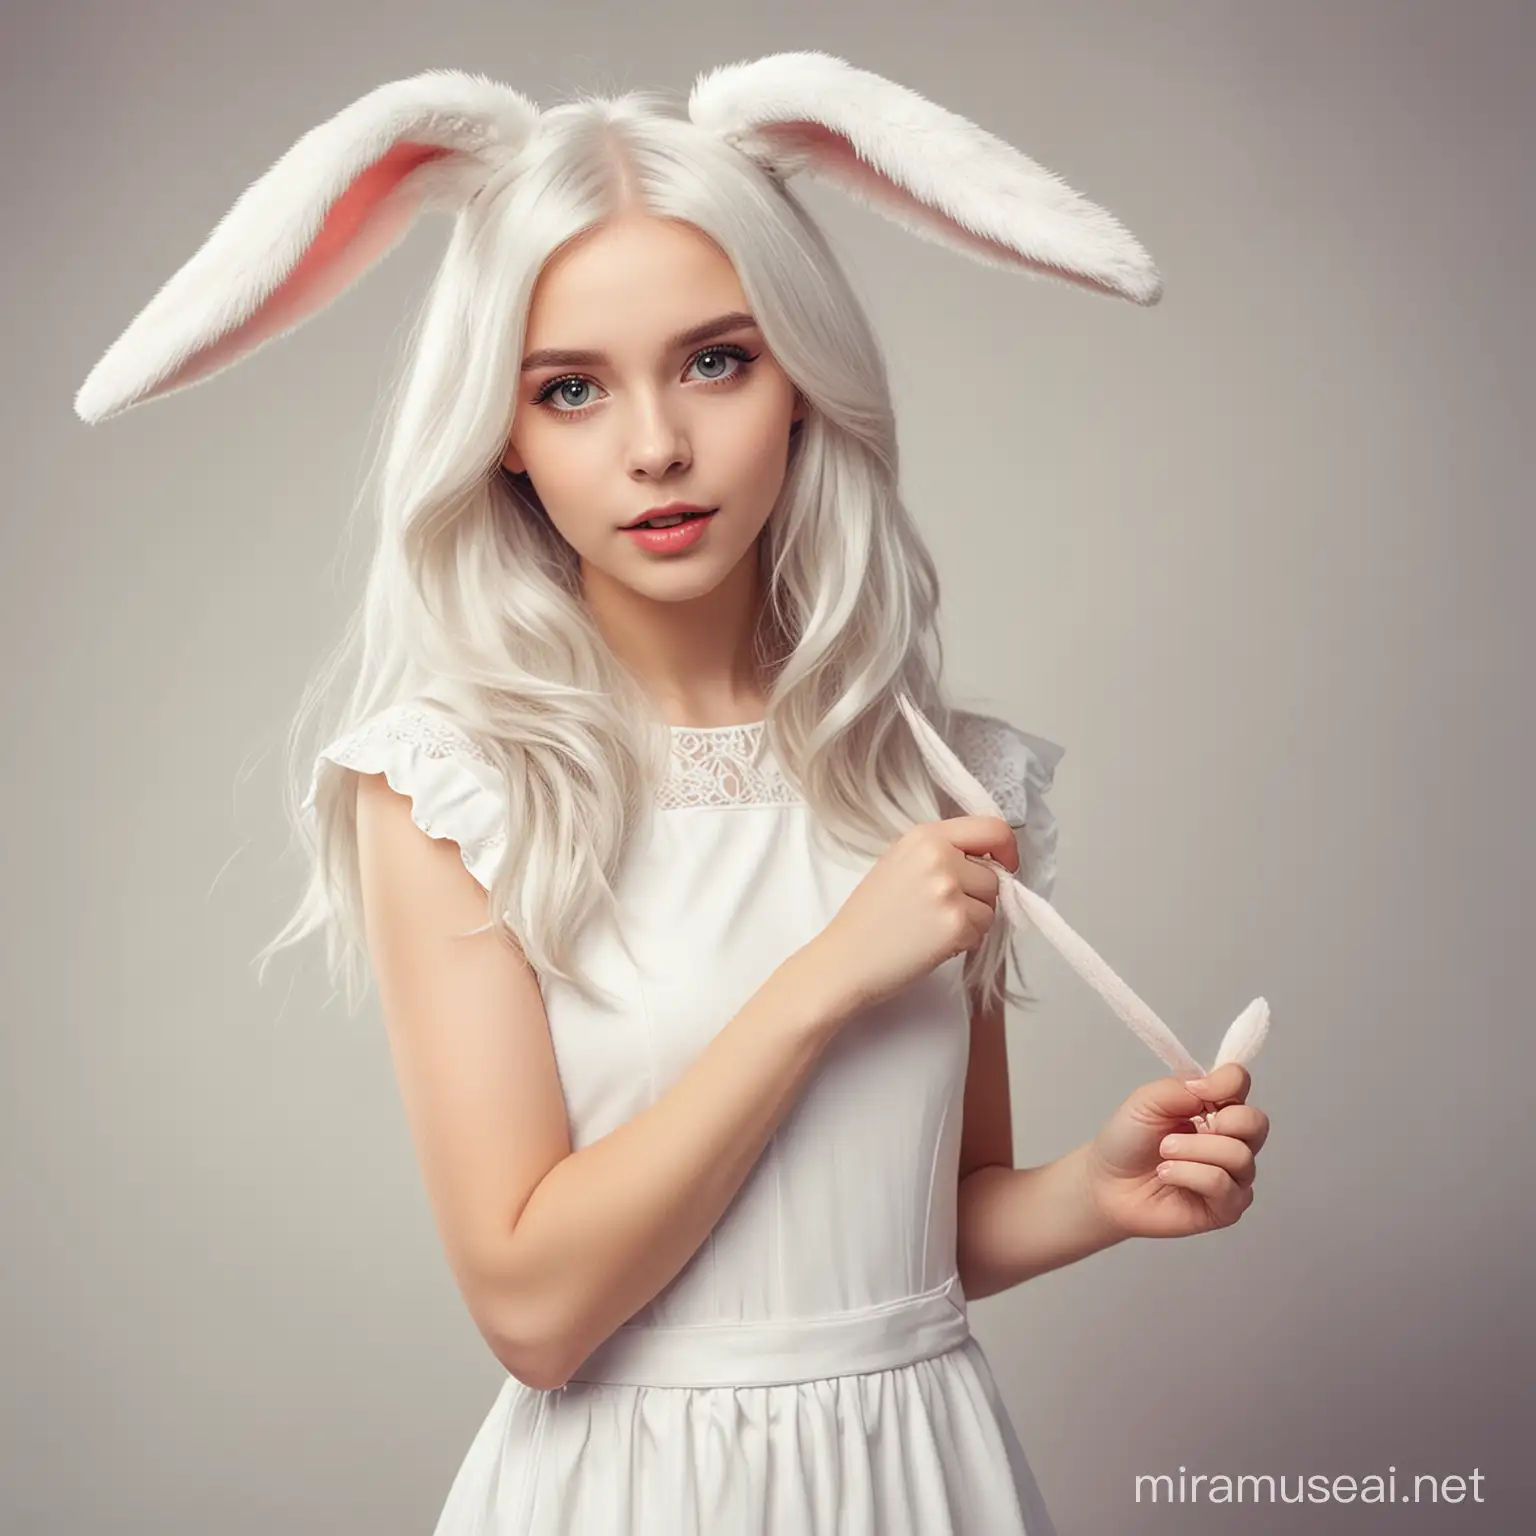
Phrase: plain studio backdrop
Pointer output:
(1259, 557)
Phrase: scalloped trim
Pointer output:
(1018, 770)
(453, 787)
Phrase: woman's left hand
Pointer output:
(1209, 1177)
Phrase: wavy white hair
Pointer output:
(471, 598)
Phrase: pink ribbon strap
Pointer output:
(1015, 899)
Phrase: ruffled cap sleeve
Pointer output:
(454, 789)
(1017, 769)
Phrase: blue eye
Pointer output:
(570, 408)
(569, 382)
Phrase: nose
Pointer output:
(658, 445)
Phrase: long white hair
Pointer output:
(472, 601)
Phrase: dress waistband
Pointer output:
(779, 1352)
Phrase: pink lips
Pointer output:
(668, 541)
(672, 509)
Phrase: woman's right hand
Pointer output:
(924, 901)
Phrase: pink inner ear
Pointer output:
(359, 227)
(834, 156)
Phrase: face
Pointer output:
(651, 415)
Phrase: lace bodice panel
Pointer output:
(715, 765)
(707, 765)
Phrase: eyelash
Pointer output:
(725, 349)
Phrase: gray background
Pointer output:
(1260, 558)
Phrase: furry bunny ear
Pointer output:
(928, 169)
(338, 201)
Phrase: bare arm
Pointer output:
(1013, 1223)
(1017, 1223)
(612, 1224)
(554, 1249)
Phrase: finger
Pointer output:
(1224, 1152)
(1226, 1085)
(1164, 1102)
(980, 916)
(1248, 1124)
(1226, 1199)
(1006, 847)
(989, 836)
(978, 882)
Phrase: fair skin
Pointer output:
(659, 421)
(1016, 1223)
(705, 421)
(554, 1248)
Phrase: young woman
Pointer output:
(691, 975)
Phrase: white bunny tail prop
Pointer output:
(338, 201)
(1244, 1037)
(930, 170)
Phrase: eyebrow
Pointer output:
(567, 357)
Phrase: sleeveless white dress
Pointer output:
(810, 1371)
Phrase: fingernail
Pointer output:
(1195, 1084)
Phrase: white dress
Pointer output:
(810, 1371)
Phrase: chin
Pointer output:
(683, 586)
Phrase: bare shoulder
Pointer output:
(471, 1048)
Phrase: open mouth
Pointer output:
(675, 521)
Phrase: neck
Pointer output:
(695, 658)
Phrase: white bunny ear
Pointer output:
(933, 172)
(342, 197)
